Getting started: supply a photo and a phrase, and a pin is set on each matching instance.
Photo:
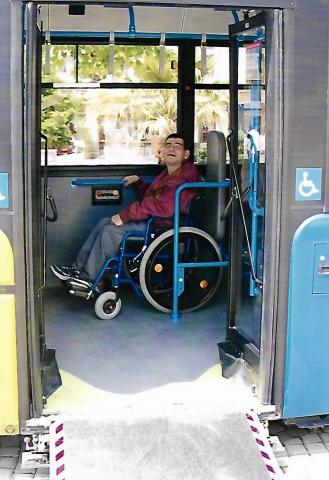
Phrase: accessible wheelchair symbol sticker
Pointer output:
(4, 200)
(308, 184)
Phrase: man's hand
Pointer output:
(116, 220)
(130, 179)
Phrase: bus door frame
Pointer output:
(32, 189)
(261, 359)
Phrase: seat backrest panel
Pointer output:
(216, 171)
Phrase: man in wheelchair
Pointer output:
(156, 200)
(149, 268)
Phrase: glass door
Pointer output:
(247, 164)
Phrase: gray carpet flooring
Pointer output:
(138, 350)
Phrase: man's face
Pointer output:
(174, 152)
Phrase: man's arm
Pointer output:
(161, 205)
(138, 183)
(141, 187)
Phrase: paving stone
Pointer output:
(9, 451)
(6, 474)
(296, 450)
(10, 441)
(324, 436)
(276, 427)
(277, 447)
(42, 475)
(23, 476)
(311, 438)
(293, 441)
(316, 448)
(25, 471)
(296, 432)
(284, 436)
(8, 462)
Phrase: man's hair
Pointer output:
(178, 135)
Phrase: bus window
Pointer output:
(107, 126)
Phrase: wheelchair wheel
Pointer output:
(107, 306)
(200, 284)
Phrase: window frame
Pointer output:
(185, 86)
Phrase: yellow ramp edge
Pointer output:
(77, 394)
(6, 261)
(9, 423)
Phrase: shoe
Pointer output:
(64, 273)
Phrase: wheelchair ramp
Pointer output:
(185, 431)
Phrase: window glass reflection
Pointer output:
(96, 126)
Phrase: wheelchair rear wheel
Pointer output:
(200, 284)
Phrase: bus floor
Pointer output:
(139, 350)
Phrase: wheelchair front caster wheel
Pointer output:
(107, 306)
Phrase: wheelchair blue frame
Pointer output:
(178, 267)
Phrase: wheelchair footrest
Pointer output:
(77, 288)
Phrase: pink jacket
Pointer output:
(158, 199)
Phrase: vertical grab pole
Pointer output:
(253, 289)
(177, 275)
(132, 26)
(175, 315)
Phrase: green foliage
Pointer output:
(93, 62)
(60, 56)
(208, 76)
(201, 155)
(58, 111)
(163, 106)
(131, 63)
(241, 136)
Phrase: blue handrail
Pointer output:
(235, 16)
(89, 182)
(132, 26)
(256, 211)
(142, 35)
(176, 265)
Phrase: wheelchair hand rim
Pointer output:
(166, 235)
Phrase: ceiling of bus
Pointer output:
(98, 18)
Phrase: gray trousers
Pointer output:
(103, 242)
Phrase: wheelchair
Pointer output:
(145, 259)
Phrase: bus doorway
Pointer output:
(146, 351)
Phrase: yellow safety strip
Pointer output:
(78, 394)
(6, 261)
(9, 421)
